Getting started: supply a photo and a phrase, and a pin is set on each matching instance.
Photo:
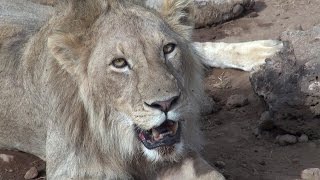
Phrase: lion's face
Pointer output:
(140, 66)
(140, 80)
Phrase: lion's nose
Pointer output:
(166, 105)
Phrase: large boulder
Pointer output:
(289, 83)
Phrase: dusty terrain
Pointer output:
(232, 144)
(230, 132)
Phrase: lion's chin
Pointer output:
(162, 143)
(164, 153)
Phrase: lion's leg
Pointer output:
(245, 56)
(191, 168)
(66, 162)
(208, 12)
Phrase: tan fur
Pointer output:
(63, 101)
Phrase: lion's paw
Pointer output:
(256, 52)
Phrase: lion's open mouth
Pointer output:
(167, 134)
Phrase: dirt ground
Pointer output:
(229, 132)
(231, 143)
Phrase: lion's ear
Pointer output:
(67, 50)
(178, 14)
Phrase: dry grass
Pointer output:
(222, 81)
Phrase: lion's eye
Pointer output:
(169, 48)
(119, 63)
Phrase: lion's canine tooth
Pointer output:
(175, 128)
(155, 134)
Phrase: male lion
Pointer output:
(105, 89)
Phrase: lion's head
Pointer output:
(135, 73)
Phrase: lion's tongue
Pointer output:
(167, 134)
(168, 128)
(157, 136)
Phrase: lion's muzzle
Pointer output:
(167, 134)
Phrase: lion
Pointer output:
(107, 89)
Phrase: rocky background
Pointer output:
(289, 84)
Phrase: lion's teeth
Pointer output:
(141, 136)
(174, 128)
(155, 133)
(169, 132)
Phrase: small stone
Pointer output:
(295, 27)
(220, 164)
(295, 160)
(31, 173)
(6, 158)
(237, 101)
(208, 106)
(244, 165)
(253, 15)
(287, 139)
(303, 138)
(257, 132)
(8, 170)
(265, 116)
(263, 163)
(266, 122)
(267, 125)
(237, 10)
(311, 174)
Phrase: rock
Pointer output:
(220, 164)
(265, 116)
(209, 12)
(287, 139)
(311, 174)
(289, 83)
(9, 170)
(266, 123)
(237, 10)
(253, 15)
(257, 132)
(262, 163)
(31, 173)
(208, 106)
(6, 158)
(303, 138)
(206, 12)
(237, 101)
(295, 27)
(295, 160)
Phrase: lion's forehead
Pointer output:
(135, 25)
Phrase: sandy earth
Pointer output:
(231, 144)
(229, 132)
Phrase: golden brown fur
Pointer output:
(68, 105)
